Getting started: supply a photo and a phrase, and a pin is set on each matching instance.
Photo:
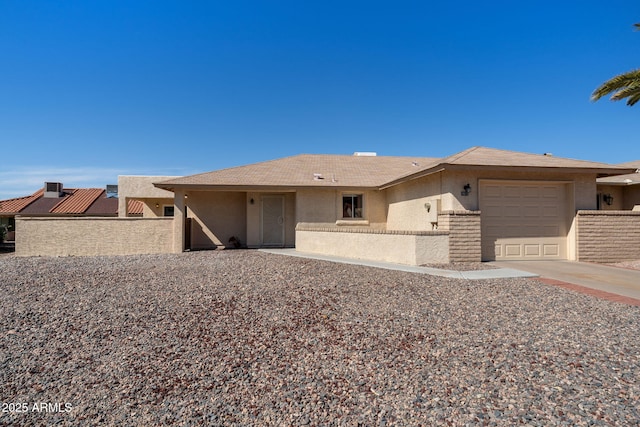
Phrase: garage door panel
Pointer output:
(494, 211)
(523, 220)
(512, 250)
(531, 250)
(511, 192)
(530, 192)
(551, 250)
(493, 191)
(511, 211)
(551, 192)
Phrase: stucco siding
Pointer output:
(323, 208)
(407, 204)
(377, 245)
(216, 217)
(608, 236)
(316, 206)
(92, 236)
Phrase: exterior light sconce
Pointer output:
(251, 201)
(157, 205)
(466, 190)
(607, 198)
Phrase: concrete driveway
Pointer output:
(619, 281)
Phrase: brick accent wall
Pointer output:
(40, 236)
(608, 236)
(465, 244)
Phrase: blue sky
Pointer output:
(93, 89)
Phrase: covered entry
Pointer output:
(524, 220)
(272, 221)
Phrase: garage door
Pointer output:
(523, 221)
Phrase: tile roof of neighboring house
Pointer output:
(78, 202)
(134, 207)
(83, 201)
(13, 206)
(373, 171)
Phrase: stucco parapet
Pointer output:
(372, 231)
(608, 213)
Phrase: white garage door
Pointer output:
(523, 220)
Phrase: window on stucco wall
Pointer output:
(352, 206)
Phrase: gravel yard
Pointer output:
(249, 338)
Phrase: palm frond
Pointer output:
(626, 92)
(633, 99)
(618, 84)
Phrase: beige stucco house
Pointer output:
(479, 204)
(620, 192)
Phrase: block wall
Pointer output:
(39, 236)
(608, 236)
(465, 239)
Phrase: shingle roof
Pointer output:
(631, 164)
(309, 170)
(482, 157)
(626, 179)
(13, 206)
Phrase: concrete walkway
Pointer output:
(604, 278)
(496, 273)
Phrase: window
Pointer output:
(168, 210)
(352, 206)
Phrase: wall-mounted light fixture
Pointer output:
(252, 201)
(466, 190)
(157, 205)
(607, 198)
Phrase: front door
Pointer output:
(272, 224)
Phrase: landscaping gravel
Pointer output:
(249, 338)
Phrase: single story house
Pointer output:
(479, 204)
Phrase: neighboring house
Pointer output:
(621, 191)
(139, 197)
(53, 200)
(479, 204)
